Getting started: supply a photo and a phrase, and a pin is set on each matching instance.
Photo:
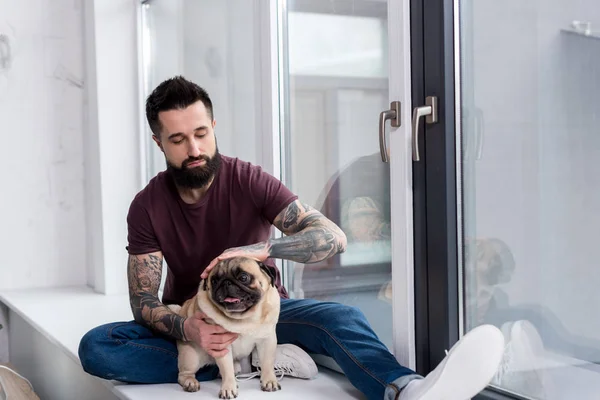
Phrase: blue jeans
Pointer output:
(129, 352)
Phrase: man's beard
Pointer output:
(195, 177)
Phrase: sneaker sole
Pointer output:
(461, 381)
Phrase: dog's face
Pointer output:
(492, 260)
(237, 284)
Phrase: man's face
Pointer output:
(188, 141)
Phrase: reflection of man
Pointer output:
(359, 200)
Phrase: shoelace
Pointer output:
(281, 369)
(504, 368)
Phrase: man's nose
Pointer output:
(193, 150)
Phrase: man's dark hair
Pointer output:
(174, 94)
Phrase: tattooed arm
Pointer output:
(363, 220)
(311, 238)
(143, 274)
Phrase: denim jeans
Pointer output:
(129, 352)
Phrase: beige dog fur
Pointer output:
(256, 328)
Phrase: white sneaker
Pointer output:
(467, 369)
(520, 371)
(290, 360)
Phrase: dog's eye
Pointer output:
(244, 278)
(213, 281)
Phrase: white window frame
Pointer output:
(112, 92)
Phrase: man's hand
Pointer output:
(212, 338)
(258, 252)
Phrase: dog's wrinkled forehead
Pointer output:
(231, 267)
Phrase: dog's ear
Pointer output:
(204, 284)
(268, 271)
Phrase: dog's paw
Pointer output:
(189, 383)
(228, 391)
(270, 385)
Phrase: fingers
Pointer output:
(218, 354)
(225, 338)
(200, 315)
(218, 330)
(210, 266)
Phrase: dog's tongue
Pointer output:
(231, 300)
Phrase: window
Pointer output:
(334, 85)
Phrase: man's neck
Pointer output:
(192, 196)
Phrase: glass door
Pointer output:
(512, 188)
(344, 150)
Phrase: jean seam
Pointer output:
(361, 366)
(143, 346)
(393, 386)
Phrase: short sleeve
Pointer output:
(269, 194)
(140, 233)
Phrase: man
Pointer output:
(206, 207)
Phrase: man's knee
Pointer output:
(341, 315)
(98, 347)
(90, 351)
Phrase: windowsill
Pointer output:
(80, 309)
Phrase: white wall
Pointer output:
(112, 145)
(537, 185)
(42, 239)
(69, 108)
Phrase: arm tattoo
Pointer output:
(144, 273)
(311, 236)
(364, 221)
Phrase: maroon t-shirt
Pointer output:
(238, 209)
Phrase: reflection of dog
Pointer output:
(495, 263)
(239, 295)
(489, 263)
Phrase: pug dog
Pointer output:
(239, 294)
(490, 263)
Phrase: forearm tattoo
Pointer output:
(144, 273)
(363, 220)
(311, 237)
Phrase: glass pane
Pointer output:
(531, 189)
(219, 54)
(337, 86)
(321, 52)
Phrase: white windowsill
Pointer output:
(64, 315)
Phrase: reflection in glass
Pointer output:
(531, 191)
(337, 88)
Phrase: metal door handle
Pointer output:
(393, 114)
(430, 110)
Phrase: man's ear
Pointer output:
(158, 143)
(268, 271)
